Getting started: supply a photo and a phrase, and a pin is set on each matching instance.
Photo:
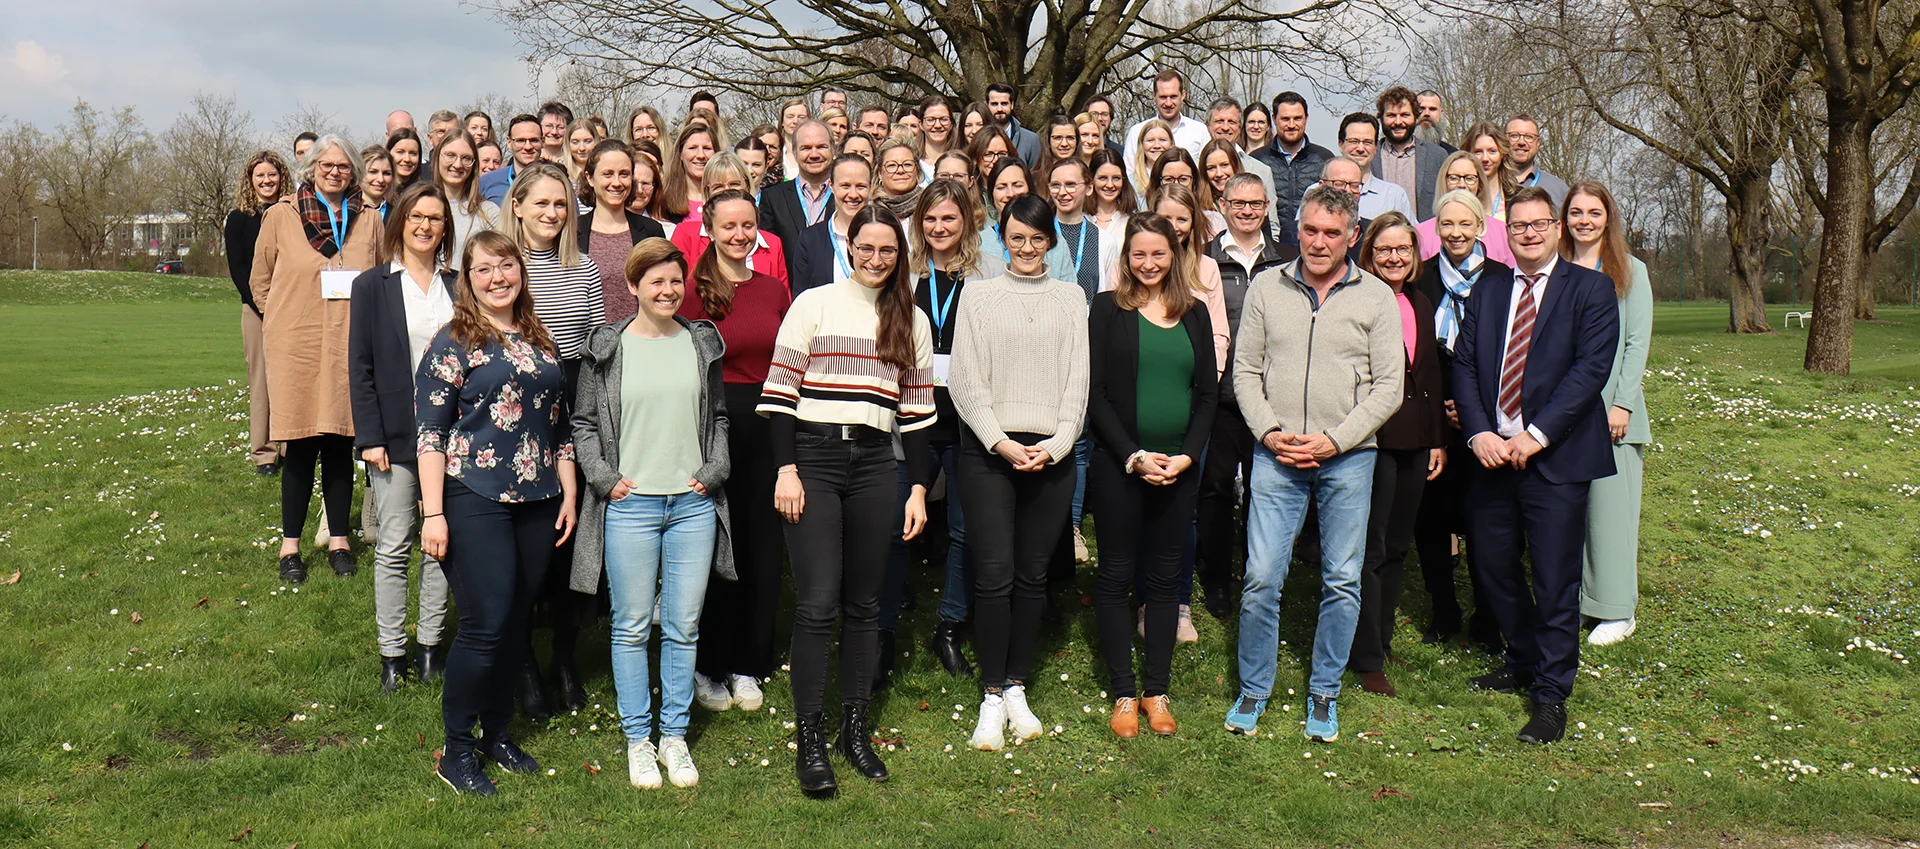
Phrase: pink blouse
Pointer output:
(1495, 246)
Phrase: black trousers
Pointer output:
(839, 554)
(1222, 536)
(1014, 521)
(1163, 516)
(496, 563)
(1515, 512)
(1443, 513)
(333, 453)
(736, 626)
(567, 612)
(1398, 479)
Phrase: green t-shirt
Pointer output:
(1164, 386)
(659, 413)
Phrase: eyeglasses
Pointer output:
(519, 142)
(333, 167)
(1177, 180)
(869, 252)
(899, 167)
(1462, 180)
(1022, 241)
(416, 218)
(1538, 225)
(459, 160)
(1348, 185)
(1247, 205)
(502, 267)
(1529, 138)
(1361, 142)
(1067, 187)
(1401, 251)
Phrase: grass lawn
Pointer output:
(164, 689)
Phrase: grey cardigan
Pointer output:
(596, 428)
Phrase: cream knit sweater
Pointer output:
(1020, 360)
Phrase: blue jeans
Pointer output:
(664, 540)
(1343, 490)
(956, 601)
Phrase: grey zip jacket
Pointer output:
(1302, 365)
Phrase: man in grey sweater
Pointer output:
(1317, 368)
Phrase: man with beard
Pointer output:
(1433, 120)
(1403, 159)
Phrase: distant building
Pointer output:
(158, 234)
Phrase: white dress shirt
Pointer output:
(1507, 426)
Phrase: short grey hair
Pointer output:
(1337, 201)
(1221, 105)
(441, 116)
(1331, 162)
(303, 171)
(1242, 180)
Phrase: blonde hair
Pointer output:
(966, 257)
(1140, 173)
(1440, 180)
(725, 164)
(1465, 198)
(565, 245)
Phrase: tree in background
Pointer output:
(95, 177)
(20, 189)
(200, 158)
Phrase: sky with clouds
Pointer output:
(357, 58)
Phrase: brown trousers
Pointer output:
(263, 451)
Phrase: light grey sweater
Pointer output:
(1335, 367)
(1020, 360)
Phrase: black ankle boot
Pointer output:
(856, 742)
(811, 766)
(946, 647)
(433, 663)
(885, 673)
(566, 680)
(392, 669)
(533, 694)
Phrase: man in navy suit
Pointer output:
(1535, 347)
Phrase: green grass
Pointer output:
(1779, 528)
(92, 335)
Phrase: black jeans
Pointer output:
(736, 626)
(567, 612)
(1442, 514)
(1398, 479)
(497, 558)
(1163, 517)
(1222, 536)
(1014, 520)
(334, 455)
(839, 554)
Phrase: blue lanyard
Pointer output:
(339, 226)
(1533, 179)
(941, 312)
(812, 212)
(1080, 250)
(839, 254)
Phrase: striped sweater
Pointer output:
(567, 300)
(827, 369)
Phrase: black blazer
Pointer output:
(810, 263)
(1571, 355)
(1421, 421)
(1434, 289)
(638, 227)
(782, 215)
(1112, 397)
(379, 366)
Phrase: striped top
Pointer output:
(567, 300)
(827, 369)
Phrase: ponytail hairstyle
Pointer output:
(966, 257)
(652, 251)
(895, 306)
(713, 288)
(1176, 291)
(470, 328)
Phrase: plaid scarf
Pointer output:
(313, 215)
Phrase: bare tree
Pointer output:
(20, 186)
(1895, 185)
(306, 118)
(1055, 52)
(200, 158)
(94, 178)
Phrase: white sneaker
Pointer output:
(1611, 631)
(746, 692)
(1080, 554)
(678, 761)
(987, 736)
(1020, 718)
(1183, 630)
(711, 694)
(643, 768)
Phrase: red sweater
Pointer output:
(690, 236)
(759, 305)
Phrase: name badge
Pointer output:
(941, 364)
(337, 285)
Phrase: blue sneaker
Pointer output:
(1244, 716)
(1323, 719)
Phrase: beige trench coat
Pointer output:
(305, 334)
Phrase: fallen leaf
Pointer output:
(1656, 804)
(924, 705)
(1386, 791)
(137, 619)
(241, 836)
(1712, 741)
(201, 603)
(11, 579)
(589, 767)
(420, 742)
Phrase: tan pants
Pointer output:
(264, 452)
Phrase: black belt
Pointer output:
(843, 432)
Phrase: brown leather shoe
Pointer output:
(1159, 718)
(1377, 683)
(1125, 721)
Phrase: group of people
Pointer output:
(653, 371)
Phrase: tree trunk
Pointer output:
(1863, 298)
(1749, 229)
(1842, 260)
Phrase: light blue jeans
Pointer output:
(662, 542)
(1342, 488)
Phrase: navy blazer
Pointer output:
(812, 262)
(379, 366)
(1568, 363)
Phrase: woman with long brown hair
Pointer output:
(456, 174)
(264, 180)
(497, 487)
(686, 165)
(853, 360)
(1487, 144)
(609, 228)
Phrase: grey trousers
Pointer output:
(396, 496)
(1610, 583)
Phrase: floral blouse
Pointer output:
(499, 414)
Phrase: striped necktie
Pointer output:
(1514, 367)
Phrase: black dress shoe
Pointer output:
(810, 765)
(341, 559)
(533, 693)
(884, 674)
(856, 742)
(267, 469)
(512, 759)
(293, 570)
(946, 647)
(1498, 681)
(433, 663)
(461, 771)
(1219, 602)
(566, 679)
(1434, 636)
(1548, 725)
(392, 669)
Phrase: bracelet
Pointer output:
(1134, 460)
(432, 516)
(786, 469)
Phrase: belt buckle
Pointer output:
(846, 432)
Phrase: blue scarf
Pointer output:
(1458, 281)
